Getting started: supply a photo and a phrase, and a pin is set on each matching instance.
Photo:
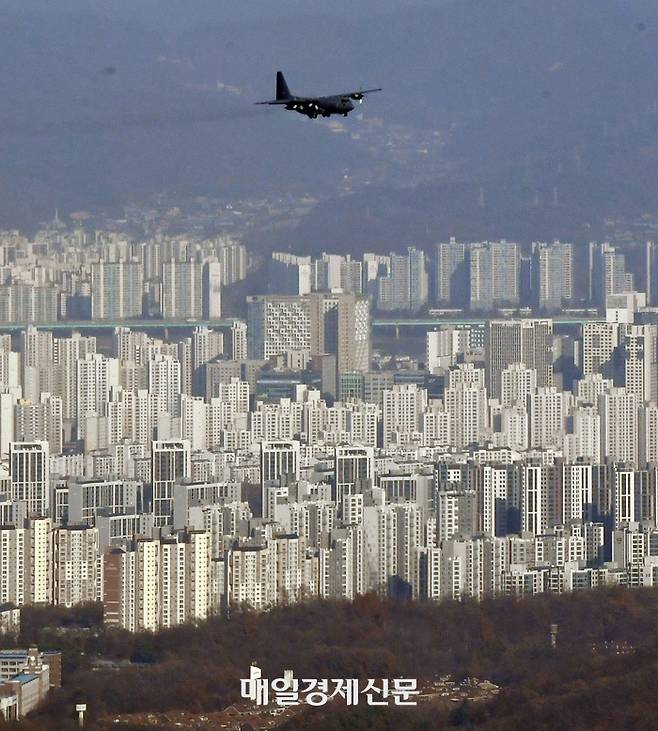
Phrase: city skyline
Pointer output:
(340, 422)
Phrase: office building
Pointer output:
(519, 341)
(170, 462)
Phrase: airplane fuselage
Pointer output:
(323, 106)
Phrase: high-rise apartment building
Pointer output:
(36, 347)
(13, 552)
(519, 341)
(116, 290)
(639, 359)
(353, 465)
(22, 302)
(289, 274)
(651, 273)
(233, 258)
(212, 290)
(26, 556)
(402, 408)
(517, 384)
(277, 324)
(418, 280)
(648, 435)
(451, 269)
(77, 565)
(238, 342)
(66, 353)
(584, 441)
(326, 273)
(466, 404)
(170, 462)
(279, 461)
(207, 346)
(340, 326)
(607, 273)
(164, 379)
(443, 346)
(535, 488)
(319, 324)
(351, 276)
(181, 296)
(96, 375)
(600, 341)
(406, 286)
(40, 422)
(549, 409)
(493, 274)
(29, 472)
(619, 422)
(553, 272)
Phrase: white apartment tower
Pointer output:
(96, 376)
(29, 473)
(402, 409)
(600, 339)
(77, 566)
(640, 361)
(212, 290)
(164, 378)
(181, 292)
(518, 383)
(548, 415)
(116, 290)
(467, 406)
(619, 415)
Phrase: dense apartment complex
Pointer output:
(265, 461)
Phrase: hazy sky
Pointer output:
(177, 13)
(109, 101)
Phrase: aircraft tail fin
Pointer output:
(282, 90)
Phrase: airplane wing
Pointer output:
(359, 94)
(299, 103)
(302, 101)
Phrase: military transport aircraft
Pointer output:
(314, 106)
